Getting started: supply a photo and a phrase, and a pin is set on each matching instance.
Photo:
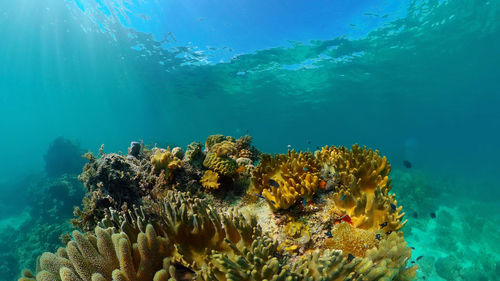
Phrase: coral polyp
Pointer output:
(317, 216)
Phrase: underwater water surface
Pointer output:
(416, 80)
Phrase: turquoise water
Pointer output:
(417, 80)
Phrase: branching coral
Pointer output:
(364, 187)
(297, 175)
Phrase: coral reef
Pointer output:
(161, 215)
(284, 178)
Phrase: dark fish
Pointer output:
(384, 224)
(388, 232)
(433, 215)
(262, 197)
(318, 147)
(415, 215)
(350, 257)
(413, 248)
(309, 142)
(407, 164)
(419, 257)
(329, 234)
(412, 261)
(393, 207)
(377, 236)
(273, 183)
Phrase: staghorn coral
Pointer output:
(210, 180)
(296, 173)
(224, 166)
(364, 187)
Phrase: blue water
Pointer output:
(417, 80)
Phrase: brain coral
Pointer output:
(297, 175)
(222, 165)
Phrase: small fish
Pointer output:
(412, 261)
(407, 164)
(322, 184)
(241, 169)
(433, 215)
(309, 142)
(318, 147)
(377, 236)
(346, 218)
(388, 232)
(274, 183)
(262, 197)
(305, 169)
(413, 248)
(350, 257)
(329, 234)
(289, 146)
(384, 224)
(415, 215)
(419, 257)
(393, 207)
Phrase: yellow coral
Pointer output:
(224, 149)
(351, 240)
(296, 173)
(210, 180)
(222, 165)
(213, 139)
(364, 187)
(163, 159)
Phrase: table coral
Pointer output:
(297, 175)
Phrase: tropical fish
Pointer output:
(393, 207)
(377, 236)
(350, 257)
(329, 234)
(407, 164)
(388, 232)
(346, 218)
(262, 197)
(322, 184)
(241, 169)
(433, 215)
(384, 224)
(274, 183)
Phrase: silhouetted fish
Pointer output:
(388, 232)
(407, 164)
(433, 215)
(415, 215)
(419, 257)
(274, 183)
(350, 257)
(384, 224)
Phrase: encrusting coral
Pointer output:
(329, 216)
(284, 178)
